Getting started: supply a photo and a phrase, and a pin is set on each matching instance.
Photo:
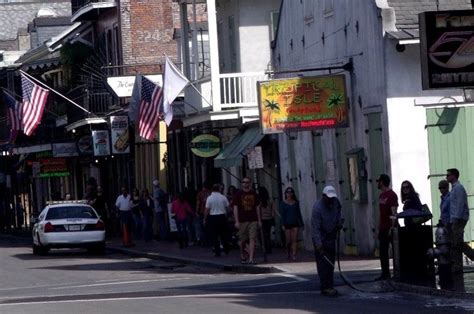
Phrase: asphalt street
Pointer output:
(71, 281)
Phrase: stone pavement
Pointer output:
(277, 262)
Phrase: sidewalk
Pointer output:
(276, 263)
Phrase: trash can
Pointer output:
(415, 266)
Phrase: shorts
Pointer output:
(247, 231)
(290, 226)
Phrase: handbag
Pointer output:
(426, 215)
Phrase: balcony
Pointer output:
(238, 99)
(87, 10)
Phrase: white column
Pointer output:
(214, 54)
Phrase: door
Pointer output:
(451, 145)
(376, 160)
(344, 185)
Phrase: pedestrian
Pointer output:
(146, 210)
(326, 222)
(180, 207)
(20, 213)
(444, 205)
(458, 217)
(123, 204)
(247, 220)
(388, 204)
(267, 213)
(291, 220)
(100, 205)
(200, 211)
(136, 214)
(160, 200)
(215, 219)
(410, 200)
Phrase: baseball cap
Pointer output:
(329, 191)
(385, 179)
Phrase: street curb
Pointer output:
(244, 269)
(403, 287)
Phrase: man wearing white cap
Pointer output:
(326, 221)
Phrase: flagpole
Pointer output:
(195, 88)
(54, 91)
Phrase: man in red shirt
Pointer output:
(388, 203)
(247, 219)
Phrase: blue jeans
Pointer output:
(147, 227)
(182, 232)
(137, 226)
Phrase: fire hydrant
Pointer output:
(441, 253)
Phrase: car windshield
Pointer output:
(70, 212)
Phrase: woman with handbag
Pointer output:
(410, 200)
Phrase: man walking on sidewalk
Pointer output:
(326, 221)
(388, 204)
(458, 217)
(247, 220)
(215, 218)
(123, 204)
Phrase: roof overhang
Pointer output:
(246, 114)
(406, 36)
(83, 122)
(32, 149)
(92, 11)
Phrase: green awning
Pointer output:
(231, 155)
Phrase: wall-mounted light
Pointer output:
(73, 130)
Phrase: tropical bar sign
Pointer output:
(303, 103)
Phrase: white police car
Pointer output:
(68, 224)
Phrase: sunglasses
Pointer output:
(290, 191)
(405, 187)
(245, 181)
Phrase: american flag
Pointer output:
(34, 101)
(13, 117)
(151, 96)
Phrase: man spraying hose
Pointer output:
(326, 221)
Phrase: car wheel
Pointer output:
(43, 250)
(36, 249)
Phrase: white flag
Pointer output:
(173, 83)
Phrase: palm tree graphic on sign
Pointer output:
(271, 107)
(336, 99)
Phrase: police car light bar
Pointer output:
(66, 202)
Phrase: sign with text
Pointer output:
(101, 143)
(51, 167)
(303, 103)
(120, 134)
(447, 49)
(65, 150)
(206, 145)
(255, 158)
(123, 85)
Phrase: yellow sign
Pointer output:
(206, 145)
(303, 103)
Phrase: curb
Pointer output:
(403, 287)
(244, 269)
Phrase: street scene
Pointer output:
(238, 155)
(72, 281)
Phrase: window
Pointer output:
(70, 212)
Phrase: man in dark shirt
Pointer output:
(388, 203)
(247, 219)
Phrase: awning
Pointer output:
(231, 155)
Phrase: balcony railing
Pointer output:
(99, 103)
(240, 89)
